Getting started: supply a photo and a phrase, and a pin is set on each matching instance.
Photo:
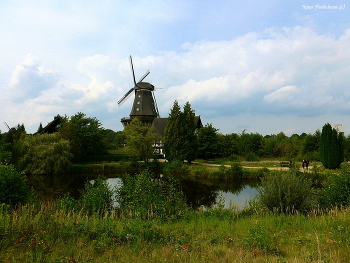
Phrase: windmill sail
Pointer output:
(144, 106)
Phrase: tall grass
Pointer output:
(45, 233)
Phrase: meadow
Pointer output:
(43, 233)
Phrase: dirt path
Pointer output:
(279, 168)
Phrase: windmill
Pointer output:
(11, 130)
(145, 106)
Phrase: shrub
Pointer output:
(147, 197)
(236, 170)
(336, 191)
(287, 193)
(252, 157)
(177, 168)
(13, 187)
(200, 171)
(97, 197)
(233, 157)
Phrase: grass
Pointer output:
(43, 233)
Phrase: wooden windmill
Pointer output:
(145, 106)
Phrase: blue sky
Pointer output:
(260, 66)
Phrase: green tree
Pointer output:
(331, 147)
(42, 154)
(90, 133)
(207, 142)
(251, 143)
(189, 133)
(180, 141)
(68, 132)
(228, 144)
(311, 146)
(140, 138)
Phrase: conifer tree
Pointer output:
(331, 147)
(180, 140)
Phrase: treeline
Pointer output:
(253, 146)
(80, 138)
(76, 139)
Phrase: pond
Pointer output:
(198, 193)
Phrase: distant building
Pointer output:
(52, 126)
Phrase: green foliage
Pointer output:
(177, 169)
(97, 197)
(335, 192)
(331, 147)
(233, 157)
(180, 140)
(90, 134)
(112, 139)
(228, 144)
(259, 238)
(148, 197)
(287, 193)
(311, 144)
(68, 132)
(251, 143)
(207, 142)
(13, 187)
(140, 138)
(43, 154)
(252, 157)
(236, 170)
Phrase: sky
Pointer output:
(255, 66)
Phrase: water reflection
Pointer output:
(197, 192)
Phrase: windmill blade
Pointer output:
(7, 126)
(155, 105)
(125, 96)
(144, 76)
(132, 69)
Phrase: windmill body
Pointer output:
(144, 106)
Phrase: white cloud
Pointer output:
(194, 50)
(29, 79)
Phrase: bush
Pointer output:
(252, 157)
(97, 197)
(233, 157)
(236, 170)
(147, 197)
(287, 193)
(13, 187)
(336, 191)
(200, 171)
(177, 168)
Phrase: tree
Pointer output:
(68, 132)
(140, 138)
(180, 141)
(311, 146)
(42, 154)
(189, 133)
(207, 142)
(251, 143)
(90, 133)
(331, 147)
(228, 144)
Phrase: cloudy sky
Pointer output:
(260, 66)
